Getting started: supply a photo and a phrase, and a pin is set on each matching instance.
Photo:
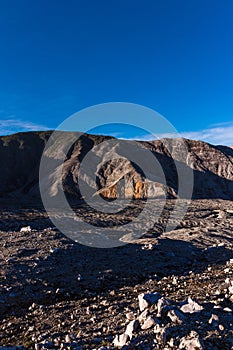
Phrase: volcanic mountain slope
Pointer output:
(20, 154)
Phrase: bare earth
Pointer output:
(56, 294)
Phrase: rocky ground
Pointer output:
(170, 290)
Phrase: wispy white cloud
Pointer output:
(220, 134)
(221, 124)
(217, 134)
(12, 125)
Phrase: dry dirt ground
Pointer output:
(58, 294)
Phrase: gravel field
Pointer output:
(167, 290)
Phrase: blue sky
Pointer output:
(57, 57)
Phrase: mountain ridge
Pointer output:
(212, 167)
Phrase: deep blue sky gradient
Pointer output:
(57, 57)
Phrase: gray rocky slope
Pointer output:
(20, 154)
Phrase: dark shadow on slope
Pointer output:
(228, 151)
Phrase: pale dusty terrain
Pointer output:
(56, 294)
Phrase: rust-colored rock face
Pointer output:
(20, 156)
(140, 190)
(137, 191)
(110, 192)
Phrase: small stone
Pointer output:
(149, 246)
(227, 309)
(191, 306)
(149, 322)
(176, 316)
(130, 316)
(79, 277)
(32, 307)
(53, 250)
(191, 342)
(213, 321)
(143, 316)
(163, 306)
(26, 229)
(143, 303)
(67, 338)
(131, 328)
(145, 300)
(171, 343)
(120, 340)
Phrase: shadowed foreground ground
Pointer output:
(55, 291)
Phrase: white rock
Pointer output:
(176, 316)
(213, 321)
(149, 246)
(149, 322)
(191, 342)
(143, 304)
(26, 229)
(120, 340)
(67, 338)
(227, 309)
(191, 306)
(143, 316)
(131, 328)
(33, 306)
(221, 327)
(145, 300)
(79, 277)
(162, 305)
